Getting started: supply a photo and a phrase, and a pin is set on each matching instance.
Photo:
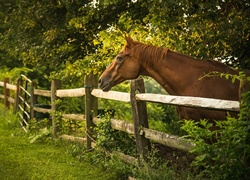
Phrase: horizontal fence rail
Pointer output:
(70, 92)
(11, 86)
(42, 110)
(112, 95)
(40, 92)
(79, 117)
(188, 101)
(167, 139)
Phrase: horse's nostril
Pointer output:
(100, 81)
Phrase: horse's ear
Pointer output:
(130, 41)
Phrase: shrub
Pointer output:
(113, 140)
(223, 159)
(228, 156)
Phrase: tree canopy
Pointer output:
(70, 38)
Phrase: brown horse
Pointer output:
(178, 74)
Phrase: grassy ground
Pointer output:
(22, 160)
(48, 158)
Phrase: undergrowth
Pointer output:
(113, 140)
(228, 156)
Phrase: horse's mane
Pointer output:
(149, 52)
(153, 53)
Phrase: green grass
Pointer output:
(53, 159)
(22, 160)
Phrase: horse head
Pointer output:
(125, 66)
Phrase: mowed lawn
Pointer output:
(22, 160)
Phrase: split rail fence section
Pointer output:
(8, 90)
(25, 99)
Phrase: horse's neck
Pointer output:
(173, 72)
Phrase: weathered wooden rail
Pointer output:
(137, 97)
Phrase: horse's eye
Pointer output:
(119, 58)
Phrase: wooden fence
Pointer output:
(137, 97)
(7, 96)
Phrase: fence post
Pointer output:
(17, 93)
(55, 85)
(244, 88)
(140, 118)
(91, 106)
(32, 99)
(6, 93)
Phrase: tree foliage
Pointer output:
(204, 29)
(73, 37)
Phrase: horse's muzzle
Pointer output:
(104, 85)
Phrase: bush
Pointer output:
(113, 140)
(229, 154)
(224, 158)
